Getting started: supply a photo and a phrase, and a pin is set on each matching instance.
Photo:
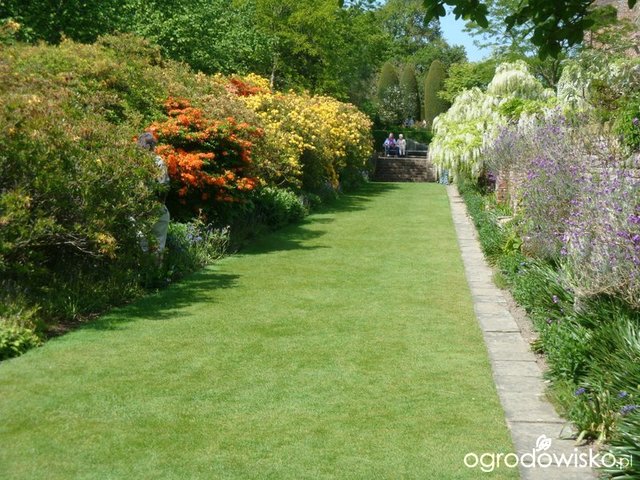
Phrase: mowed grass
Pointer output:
(345, 347)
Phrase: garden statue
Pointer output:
(160, 228)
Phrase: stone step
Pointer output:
(404, 169)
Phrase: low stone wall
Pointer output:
(509, 184)
(404, 169)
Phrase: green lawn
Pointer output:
(344, 347)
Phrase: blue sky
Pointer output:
(452, 30)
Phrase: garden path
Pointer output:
(344, 347)
(533, 421)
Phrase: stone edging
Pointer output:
(518, 377)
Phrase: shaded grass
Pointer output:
(344, 347)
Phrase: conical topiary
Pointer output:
(433, 83)
(388, 78)
(409, 89)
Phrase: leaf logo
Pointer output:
(543, 443)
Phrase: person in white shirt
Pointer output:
(402, 145)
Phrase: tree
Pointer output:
(554, 25)
(413, 38)
(409, 91)
(433, 83)
(464, 76)
(515, 44)
(404, 21)
(437, 50)
(210, 35)
(321, 45)
(76, 19)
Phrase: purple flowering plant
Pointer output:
(602, 240)
(542, 153)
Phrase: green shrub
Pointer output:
(18, 322)
(409, 89)
(491, 235)
(465, 76)
(191, 246)
(15, 340)
(419, 135)
(276, 207)
(75, 191)
(433, 83)
(538, 288)
(594, 411)
(388, 78)
(75, 196)
(627, 122)
(625, 446)
(567, 346)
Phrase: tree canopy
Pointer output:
(332, 47)
(553, 25)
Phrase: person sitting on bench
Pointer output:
(402, 146)
(390, 147)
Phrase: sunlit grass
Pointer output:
(345, 347)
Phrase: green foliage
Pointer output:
(491, 236)
(76, 191)
(191, 246)
(9, 30)
(322, 46)
(388, 78)
(413, 39)
(409, 90)
(626, 447)
(515, 44)
(15, 340)
(419, 135)
(627, 122)
(463, 76)
(211, 36)
(436, 50)
(555, 25)
(406, 24)
(592, 345)
(326, 47)
(433, 83)
(276, 207)
(19, 326)
(74, 19)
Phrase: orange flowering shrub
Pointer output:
(249, 85)
(209, 160)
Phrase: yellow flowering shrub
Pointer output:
(310, 141)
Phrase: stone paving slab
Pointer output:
(497, 323)
(531, 418)
(507, 346)
(523, 368)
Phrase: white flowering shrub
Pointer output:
(473, 121)
(592, 68)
